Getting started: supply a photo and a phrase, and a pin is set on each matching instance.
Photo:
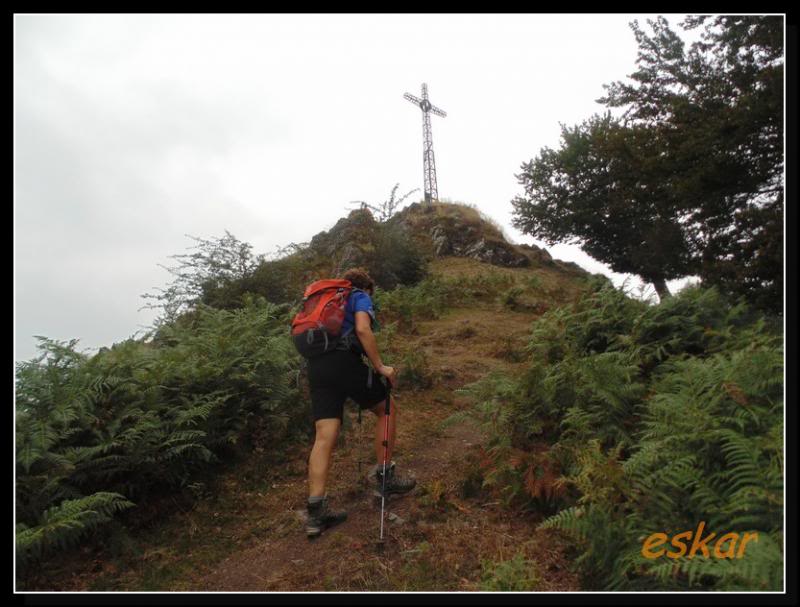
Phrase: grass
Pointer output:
(544, 282)
(515, 574)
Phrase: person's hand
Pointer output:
(389, 373)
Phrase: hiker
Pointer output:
(333, 377)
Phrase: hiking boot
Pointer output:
(395, 484)
(320, 517)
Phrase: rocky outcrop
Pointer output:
(459, 231)
(436, 230)
(537, 255)
(498, 253)
(350, 242)
(467, 242)
(357, 228)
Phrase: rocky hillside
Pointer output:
(397, 251)
(433, 231)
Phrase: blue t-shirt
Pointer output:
(359, 301)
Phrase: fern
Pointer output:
(61, 526)
(141, 418)
(571, 520)
(659, 417)
(761, 569)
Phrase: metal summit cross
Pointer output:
(428, 162)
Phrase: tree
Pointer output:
(698, 150)
(391, 257)
(211, 275)
(386, 210)
(600, 191)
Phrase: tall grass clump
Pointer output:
(430, 297)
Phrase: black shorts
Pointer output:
(337, 375)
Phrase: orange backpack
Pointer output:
(316, 328)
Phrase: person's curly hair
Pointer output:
(359, 278)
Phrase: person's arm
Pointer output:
(370, 345)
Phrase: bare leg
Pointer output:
(319, 462)
(380, 411)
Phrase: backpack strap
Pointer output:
(347, 336)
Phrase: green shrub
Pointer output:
(534, 283)
(408, 304)
(137, 419)
(516, 574)
(510, 297)
(415, 369)
(396, 261)
(484, 285)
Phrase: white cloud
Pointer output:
(134, 130)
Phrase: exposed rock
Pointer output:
(536, 254)
(441, 244)
(349, 241)
(497, 253)
(395, 519)
(448, 236)
(357, 227)
(436, 230)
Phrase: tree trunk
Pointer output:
(662, 289)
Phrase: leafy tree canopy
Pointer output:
(689, 179)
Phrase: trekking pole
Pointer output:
(360, 442)
(385, 454)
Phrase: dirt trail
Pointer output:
(440, 539)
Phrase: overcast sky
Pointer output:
(132, 131)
